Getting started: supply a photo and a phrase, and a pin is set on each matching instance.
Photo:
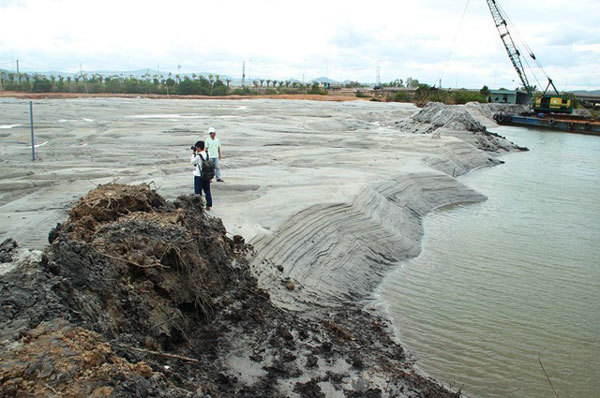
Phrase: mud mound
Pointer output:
(458, 121)
(140, 266)
(109, 202)
(436, 114)
(137, 296)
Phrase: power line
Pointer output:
(453, 42)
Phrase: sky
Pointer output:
(427, 40)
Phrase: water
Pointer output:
(517, 277)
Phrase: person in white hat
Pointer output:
(213, 146)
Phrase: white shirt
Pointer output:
(213, 147)
(197, 161)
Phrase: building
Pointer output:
(509, 97)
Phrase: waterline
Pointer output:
(500, 282)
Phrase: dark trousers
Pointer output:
(201, 185)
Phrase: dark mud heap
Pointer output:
(136, 296)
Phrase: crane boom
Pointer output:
(509, 44)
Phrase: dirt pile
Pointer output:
(436, 114)
(136, 296)
(57, 358)
(458, 121)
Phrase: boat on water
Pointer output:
(550, 109)
(558, 122)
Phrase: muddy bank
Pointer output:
(139, 296)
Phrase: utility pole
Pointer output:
(244, 74)
(378, 78)
(18, 73)
(31, 124)
(83, 77)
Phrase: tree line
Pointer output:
(170, 84)
(116, 84)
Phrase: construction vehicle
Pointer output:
(541, 104)
(552, 111)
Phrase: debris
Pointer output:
(290, 285)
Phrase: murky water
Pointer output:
(503, 282)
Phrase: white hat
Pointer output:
(211, 130)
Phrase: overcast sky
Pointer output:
(343, 40)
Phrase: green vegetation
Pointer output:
(400, 96)
(116, 84)
(426, 93)
(316, 89)
(485, 91)
(279, 87)
(394, 83)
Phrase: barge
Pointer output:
(560, 122)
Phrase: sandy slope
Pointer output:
(330, 194)
(307, 182)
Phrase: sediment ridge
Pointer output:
(339, 252)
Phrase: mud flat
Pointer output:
(329, 196)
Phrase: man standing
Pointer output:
(213, 146)
(201, 183)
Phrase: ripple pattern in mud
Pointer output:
(338, 251)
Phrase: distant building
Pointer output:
(509, 97)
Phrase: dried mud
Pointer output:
(137, 296)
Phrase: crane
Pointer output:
(543, 103)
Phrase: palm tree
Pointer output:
(211, 79)
(228, 81)
(268, 81)
(261, 82)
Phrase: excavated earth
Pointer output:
(138, 296)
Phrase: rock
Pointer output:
(312, 361)
(290, 285)
(326, 346)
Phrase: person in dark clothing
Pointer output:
(199, 154)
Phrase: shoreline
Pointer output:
(302, 212)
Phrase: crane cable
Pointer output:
(527, 48)
(445, 64)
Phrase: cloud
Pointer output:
(281, 40)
